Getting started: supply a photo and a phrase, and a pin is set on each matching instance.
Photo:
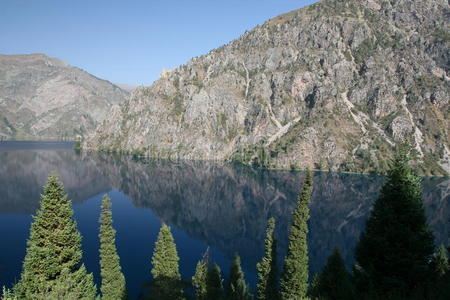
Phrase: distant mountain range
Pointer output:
(335, 85)
(126, 87)
(46, 98)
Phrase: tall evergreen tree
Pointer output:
(54, 250)
(113, 282)
(166, 275)
(215, 284)
(440, 262)
(200, 278)
(294, 283)
(7, 294)
(334, 282)
(72, 285)
(440, 288)
(237, 287)
(393, 253)
(267, 268)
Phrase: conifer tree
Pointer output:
(393, 253)
(113, 282)
(54, 251)
(237, 288)
(215, 284)
(7, 294)
(267, 268)
(440, 288)
(200, 278)
(334, 282)
(294, 283)
(72, 285)
(440, 262)
(166, 276)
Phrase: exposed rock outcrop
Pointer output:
(335, 85)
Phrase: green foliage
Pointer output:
(53, 258)
(441, 35)
(138, 153)
(364, 50)
(237, 287)
(394, 251)
(294, 283)
(166, 276)
(77, 145)
(255, 155)
(200, 278)
(347, 55)
(267, 268)
(178, 105)
(7, 294)
(113, 281)
(427, 83)
(334, 282)
(73, 285)
(222, 119)
(440, 289)
(440, 262)
(215, 284)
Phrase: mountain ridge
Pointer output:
(46, 97)
(334, 85)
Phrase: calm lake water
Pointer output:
(221, 206)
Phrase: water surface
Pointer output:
(221, 206)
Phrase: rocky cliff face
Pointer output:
(43, 97)
(335, 85)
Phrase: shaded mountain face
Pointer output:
(43, 97)
(336, 85)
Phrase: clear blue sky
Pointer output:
(129, 41)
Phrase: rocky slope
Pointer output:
(336, 85)
(43, 97)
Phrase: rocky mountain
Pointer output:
(43, 97)
(335, 85)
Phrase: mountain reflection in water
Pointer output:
(219, 205)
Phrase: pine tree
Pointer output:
(440, 288)
(237, 288)
(267, 268)
(200, 278)
(334, 282)
(214, 284)
(166, 276)
(72, 285)
(294, 283)
(113, 281)
(440, 262)
(393, 253)
(7, 295)
(54, 250)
